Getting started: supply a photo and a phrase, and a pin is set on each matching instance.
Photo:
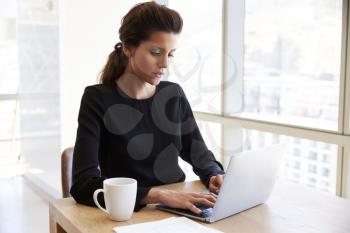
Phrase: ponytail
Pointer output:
(115, 66)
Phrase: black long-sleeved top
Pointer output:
(119, 136)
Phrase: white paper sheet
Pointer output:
(168, 225)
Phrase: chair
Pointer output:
(66, 171)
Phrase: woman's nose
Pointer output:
(163, 63)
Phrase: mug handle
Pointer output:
(97, 191)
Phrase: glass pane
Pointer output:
(197, 63)
(8, 48)
(292, 62)
(9, 119)
(9, 151)
(346, 166)
(311, 163)
(39, 115)
(9, 66)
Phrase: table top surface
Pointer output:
(290, 208)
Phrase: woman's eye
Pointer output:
(156, 54)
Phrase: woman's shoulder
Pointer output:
(100, 90)
(168, 83)
(98, 95)
(171, 86)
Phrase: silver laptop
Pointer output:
(248, 182)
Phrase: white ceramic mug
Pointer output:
(120, 197)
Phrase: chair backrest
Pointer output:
(66, 171)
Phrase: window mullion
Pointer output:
(345, 68)
(343, 111)
(345, 181)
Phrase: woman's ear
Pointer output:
(128, 51)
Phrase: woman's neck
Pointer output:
(134, 87)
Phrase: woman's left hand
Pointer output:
(215, 183)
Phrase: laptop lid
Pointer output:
(249, 180)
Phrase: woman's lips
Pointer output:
(158, 74)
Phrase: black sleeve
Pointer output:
(86, 173)
(194, 149)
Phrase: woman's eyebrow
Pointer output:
(162, 49)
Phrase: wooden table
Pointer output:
(291, 208)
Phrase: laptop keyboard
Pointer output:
(206, 212)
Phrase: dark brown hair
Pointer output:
(138, 25)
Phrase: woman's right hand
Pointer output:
(183, 200)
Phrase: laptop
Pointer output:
(248, 182)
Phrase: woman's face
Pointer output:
(150, 59)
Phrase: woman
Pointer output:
(134, 125)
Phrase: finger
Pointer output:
(219, 180)
(214, 186)
(210, 193)
(193, 208)
(213, 194)
(201, 194)
(203, 201)
(214, 189)
(211, 199)
(209, 196)
(212, 183)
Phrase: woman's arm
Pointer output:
(195, 151)
(86, 173)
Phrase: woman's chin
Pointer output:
(155, 81)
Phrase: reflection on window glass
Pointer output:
(197, 62)
(307, 162)
(292, 61)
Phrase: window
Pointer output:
(287, 57)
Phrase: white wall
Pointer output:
(88, 32)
